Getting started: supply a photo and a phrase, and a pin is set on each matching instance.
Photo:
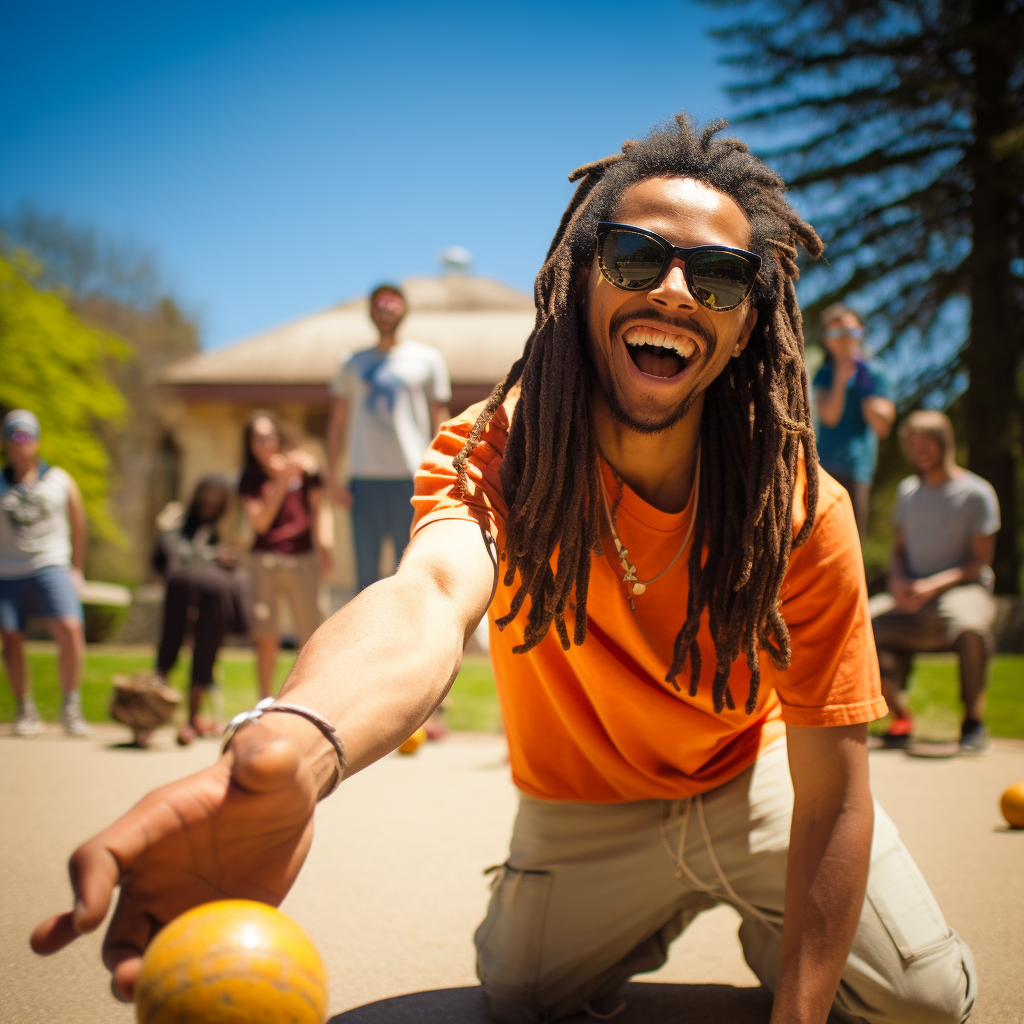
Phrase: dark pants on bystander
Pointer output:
(380, 508)
(211, 599)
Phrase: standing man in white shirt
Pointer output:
(42, 553)
(388, 402)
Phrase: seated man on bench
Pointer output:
(940, 577)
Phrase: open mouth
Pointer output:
(658, 354)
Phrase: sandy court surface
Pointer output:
(393, 887)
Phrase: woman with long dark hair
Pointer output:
(202, 590)
(281, 492)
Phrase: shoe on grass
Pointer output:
(28, 722)
(974, 738)
(71, 715)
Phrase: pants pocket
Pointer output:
(509, 940)
(905, 906)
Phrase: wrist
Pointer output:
(317, 755)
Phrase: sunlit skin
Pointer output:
(23, 458)
(841, 338)
(926, 456)
(655, 451)
(387, 312)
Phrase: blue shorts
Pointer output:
(49, 593)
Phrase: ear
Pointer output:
(745, 331)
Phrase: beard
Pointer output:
(646, 421)
(649, 418)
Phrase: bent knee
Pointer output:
(936, 988)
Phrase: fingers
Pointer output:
(53, 934)
(94, 873)
(129, 933)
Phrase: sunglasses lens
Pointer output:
(721, 280)
(629, 260)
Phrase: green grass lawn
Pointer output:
(473, 703)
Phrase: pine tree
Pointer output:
(900, 126)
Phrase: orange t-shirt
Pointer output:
(598, 723)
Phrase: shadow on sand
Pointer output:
(645, 1002)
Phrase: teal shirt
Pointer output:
(850, 448)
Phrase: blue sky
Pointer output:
(280, 157)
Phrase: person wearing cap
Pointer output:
(855, 408)
(42, 552)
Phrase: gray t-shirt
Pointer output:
(34, 530)
(939, 522)
(389, 395)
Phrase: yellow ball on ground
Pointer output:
(414, 742)
(1012, 805)
(232, 962)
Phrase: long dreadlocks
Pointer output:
(756, 418)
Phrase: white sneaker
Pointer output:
(71, 715)
(28, 722)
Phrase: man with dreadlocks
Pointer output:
(679, 630)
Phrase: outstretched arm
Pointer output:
(79, 528)
(242, 828)
(337, 430)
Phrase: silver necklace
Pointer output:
(637, 587)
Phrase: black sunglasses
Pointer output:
(635, 260)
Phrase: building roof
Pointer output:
(480, 326)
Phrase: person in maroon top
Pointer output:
(281, 491)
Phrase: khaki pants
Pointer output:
(959, 619)
(294, 577)
(594, 893)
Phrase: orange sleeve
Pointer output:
(437, 495)
(833, 676)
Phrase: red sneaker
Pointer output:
(898, 735)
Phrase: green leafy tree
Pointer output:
(116, 286)
(900, 126)
(54, 364)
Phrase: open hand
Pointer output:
(239, 829)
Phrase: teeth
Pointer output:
(683, 347)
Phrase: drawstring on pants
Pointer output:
(682, 868)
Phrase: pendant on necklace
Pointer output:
(638, 589)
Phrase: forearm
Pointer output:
(879, 413)
(832, 402)
(376, 669)
(336, 438)
(79, 528)
(335, 442)
(263, 512)
(323, 526)
(438, 414)
(826, 878)
(78, 544)
(897, 569)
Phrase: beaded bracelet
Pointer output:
(267, 705)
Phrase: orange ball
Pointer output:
(414, 742)
(1012, 805)
(232, 962)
